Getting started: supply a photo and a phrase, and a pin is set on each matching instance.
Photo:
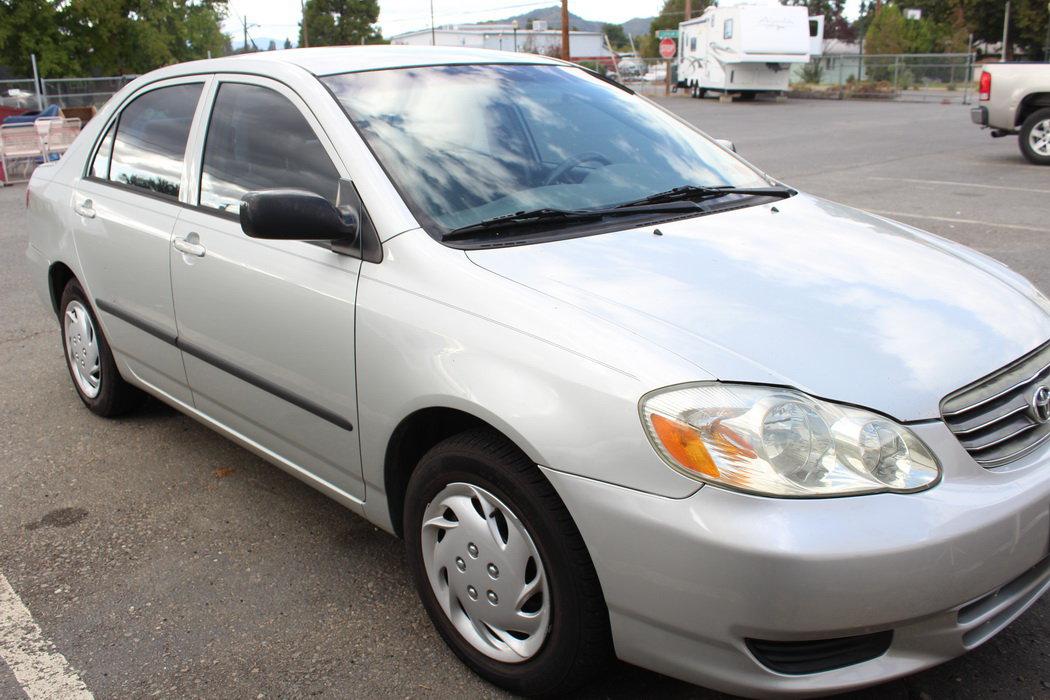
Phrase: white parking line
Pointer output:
(42, 672)
(896, 214)
(959, 184)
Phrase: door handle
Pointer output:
(189, 245)
(85, 209)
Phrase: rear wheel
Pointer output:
(89, 359)
(1034, 138)
(502, 569)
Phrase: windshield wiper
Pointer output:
(698, 192)
(545, 216)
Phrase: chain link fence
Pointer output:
(942, 77)
(23, 93)
(910, 77)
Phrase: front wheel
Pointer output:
(501, 568)
(1034, 138)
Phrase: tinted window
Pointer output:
(100, 166)
(258, 140)
(151, 139)
(727, 29)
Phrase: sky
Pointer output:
(280, 18)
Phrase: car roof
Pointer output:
(330, 60)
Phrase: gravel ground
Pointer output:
(163, 560)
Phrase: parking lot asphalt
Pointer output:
(162, 560)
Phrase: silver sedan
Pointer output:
(620, 392)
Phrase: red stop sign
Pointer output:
(667, 48)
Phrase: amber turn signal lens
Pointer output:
(684, 445)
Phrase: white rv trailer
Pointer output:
(746, 48)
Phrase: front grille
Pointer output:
(819, 655)
(993, 417)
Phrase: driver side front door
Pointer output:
(266, 327)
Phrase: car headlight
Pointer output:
(780, 442)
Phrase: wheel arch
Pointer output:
(1030, 103)
(416, 434)
(58, 276)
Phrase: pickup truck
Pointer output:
(1015, 99)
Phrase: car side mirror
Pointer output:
(727, 144)
(297, 215)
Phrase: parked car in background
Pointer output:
(1015, 99)
(619, 391)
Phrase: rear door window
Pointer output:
(151, 139)
(258, 140)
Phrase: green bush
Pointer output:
(812, 72)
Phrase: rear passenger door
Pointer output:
(124, 212)
(267, 327)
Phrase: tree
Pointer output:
(35, 26)
(338, 22)
(103, 37)
(836, 26)
(1028, 20)
(272, 46)
(616, 36)
(887, 32)
(287, 43)
(671, 15)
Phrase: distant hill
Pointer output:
(638, 26)
(634, 27)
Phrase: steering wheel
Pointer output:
(572, 161)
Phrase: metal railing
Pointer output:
(65, 92)
(941, 77)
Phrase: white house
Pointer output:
(583, 46)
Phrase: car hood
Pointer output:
(806, 293)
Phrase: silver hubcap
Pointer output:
(82, 349)
(1039, 138)
(486, 573)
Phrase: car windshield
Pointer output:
(469, 143)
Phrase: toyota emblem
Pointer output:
(1040, 404)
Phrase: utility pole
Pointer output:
(433, 42)
(306, 34)
(565, 30)
(244, 23)
(688, 10)
(1006, 32)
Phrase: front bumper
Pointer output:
(688, 580)
(979, 115)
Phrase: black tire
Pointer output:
(747, 96)
(1040, 115)
(579, 643)
(115, 396)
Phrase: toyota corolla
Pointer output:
(621, 393)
